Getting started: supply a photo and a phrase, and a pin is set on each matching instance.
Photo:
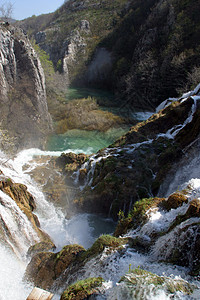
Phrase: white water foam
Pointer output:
(52, 220)
(11, 274)
(111, 266)
(18, 230)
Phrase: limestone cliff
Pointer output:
(24, 111)
(151, 46)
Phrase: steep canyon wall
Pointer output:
(24, 113)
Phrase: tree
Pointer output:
(6, 10)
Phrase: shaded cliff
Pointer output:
(145, 51)
(71, 34)
(24, 113)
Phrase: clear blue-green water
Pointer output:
(85, 141)
(78, 93)
(92, 141)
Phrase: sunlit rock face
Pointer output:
(24, 111)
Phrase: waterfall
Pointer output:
(185, 173)
(18, 231)
(17, 234)
(11, 274)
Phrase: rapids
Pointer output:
(84, 229)
(81, 229)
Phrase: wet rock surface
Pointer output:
(46, 267)
(135, 166)
(25, 201)
(24, 111)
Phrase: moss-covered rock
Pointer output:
(45, 267)
(137, 215)
(174, 201)
(141, 284)
(41, 247)
(70, 162)
(137, 164)
(104, 241)
(83, 289)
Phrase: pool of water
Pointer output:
(87, 141)
(91, 141)
(78, 93)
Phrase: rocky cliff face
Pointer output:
(24, 111)
(71, 37)
(151, 46)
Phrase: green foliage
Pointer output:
(121, 215)
(136, 216)
(59, 65)
(45, 61)
(101, 243)
(82, 289)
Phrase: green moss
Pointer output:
(41, 247)
(136, 279)
(137, 215)
(82, 289)
(175, 200)
(101, 243)
(68, 250)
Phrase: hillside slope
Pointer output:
(143, 50)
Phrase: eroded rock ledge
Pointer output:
(24, 111)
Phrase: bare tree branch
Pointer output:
(6, 10)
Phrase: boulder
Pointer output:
(83, 289)
(174, 201)
(141, 284)
(40, 247)
(45, 267)
(70, 162)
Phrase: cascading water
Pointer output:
(111, 265)
(19, 234)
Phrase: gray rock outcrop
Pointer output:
(24, 112)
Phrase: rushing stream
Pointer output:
(83, 229)
(80, 229)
